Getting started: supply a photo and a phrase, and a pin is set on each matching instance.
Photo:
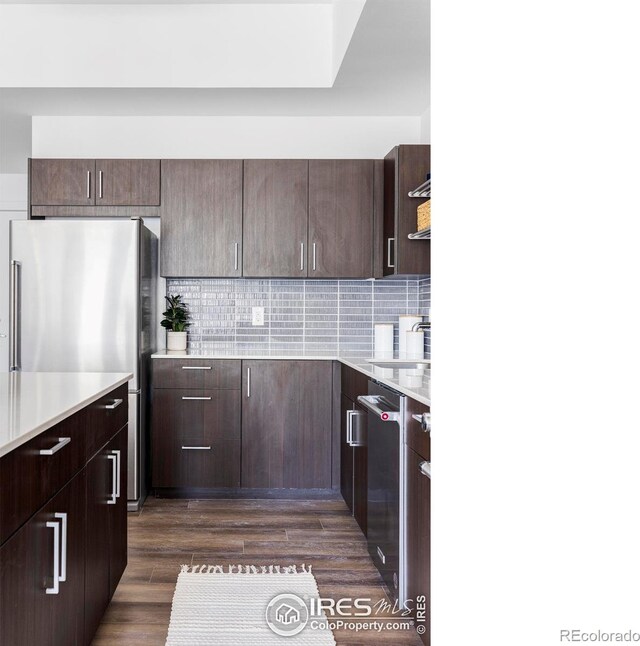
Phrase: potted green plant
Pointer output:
(176, 321)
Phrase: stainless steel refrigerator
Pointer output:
(82, 299)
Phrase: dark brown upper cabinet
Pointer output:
(66, 182)
(127, 182)
(201, 218)
(89, 187)
(340, 218)
(275, 218)
(405, 168)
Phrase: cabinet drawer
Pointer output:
(416, 438)
(28, 478)
(354, 383)
(194, 373)
(214, 464)
(107, 416)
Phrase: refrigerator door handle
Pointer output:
(14, 317)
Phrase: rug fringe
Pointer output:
(246, 569)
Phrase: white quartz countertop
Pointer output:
(32, 402)
(413, 383)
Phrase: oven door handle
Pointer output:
(372, 404)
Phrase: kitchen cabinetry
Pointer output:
(74, 183)
(341, 208)
(196, 424)
(67, 182)
(353, 445)
(127, 182)
(418, 512)
(66, 544)
(201, 218)
(405, 168)
(275, 215)
(286, 424)
(106, 527)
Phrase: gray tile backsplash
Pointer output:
(299, 315)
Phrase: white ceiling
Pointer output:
(385, 71)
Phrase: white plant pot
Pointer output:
(176, 340)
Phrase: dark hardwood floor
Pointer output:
(167, 533)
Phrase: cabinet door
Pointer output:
(359, 435)
(405, 168)
(18, 598)
(275, 218)
(286, 424)
(118, 510)
(99, 488)
(196, 438)
(346, 451)
(419, 541)
(340, 218)
(201, 218)
(128, 182)
(59, 539)
(65, 182)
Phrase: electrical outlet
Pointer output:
(257, 316)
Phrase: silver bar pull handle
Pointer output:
(88, 184)
(425, 468)
(14, 313)
(248, 382)
(424, 420)
(197, 398)
(302, 256)
(114, 473)
(389, 263)
(116, 403)
(196, 448)
(350, 427)
(196, 367)
(371, 403)
(63, 557)
(314, 256)
(55, 588)
(235, 256)
(356, 439)
(100, 184)
(116, 452)
(62, 441)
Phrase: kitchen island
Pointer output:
(63, 511)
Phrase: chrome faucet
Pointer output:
(420, 326)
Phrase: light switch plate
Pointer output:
(257, 316)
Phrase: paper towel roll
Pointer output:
(405, 323)
(383, 341)
(415, 344)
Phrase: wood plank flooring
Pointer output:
(167, 533)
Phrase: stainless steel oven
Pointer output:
(385, 487)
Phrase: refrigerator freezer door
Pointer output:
(79, 296)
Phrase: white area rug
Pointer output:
(213, 605)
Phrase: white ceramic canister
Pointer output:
(383, 341)
(415, 345)
(405, 323)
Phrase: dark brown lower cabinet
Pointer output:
(60, 567)
(106, 528)
(346, 452)
(42, 574)
(196, 438)
(418, 485)
(286, 424)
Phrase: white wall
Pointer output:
(222, 137)
(425, 127)
(13, 206)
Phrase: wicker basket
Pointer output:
(424, 215)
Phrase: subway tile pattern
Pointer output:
(299, 315)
